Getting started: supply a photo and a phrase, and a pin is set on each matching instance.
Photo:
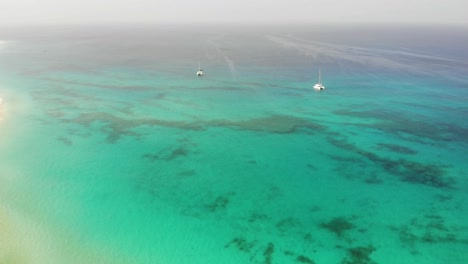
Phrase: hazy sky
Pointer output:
(282, 11)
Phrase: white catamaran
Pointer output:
(200, 71)
(319, 85)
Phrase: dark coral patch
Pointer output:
(418, 173)
(280, 124)
(401, 124)
(430, 228)
(116, 127)
(187, 173)
(65, 141)
(258, 217)
(180, 151)
(373, 179)
(151, 157)
(396, 148)
(287, 224)
(169, 154)
(241, 244)
(359, 255)
(268, 253)
(338, 225)
(408, 171)
(219, 203)
(304, 259)
(253, 162)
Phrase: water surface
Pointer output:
(113, 151)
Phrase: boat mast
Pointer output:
(320, 77)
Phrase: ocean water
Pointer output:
(113, 151)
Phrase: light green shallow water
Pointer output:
(111, 156)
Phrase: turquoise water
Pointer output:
(113, 151)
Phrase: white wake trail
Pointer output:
(230, 63)
(395, 59)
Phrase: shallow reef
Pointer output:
(279, 124)
(429, 228)
(402, 123)
(116, 127)
(264, 253)
(415, 172)
(432, 175)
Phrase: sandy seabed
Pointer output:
(24, 241)
(24, 238)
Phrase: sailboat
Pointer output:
(200, 71)
(319, 85)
